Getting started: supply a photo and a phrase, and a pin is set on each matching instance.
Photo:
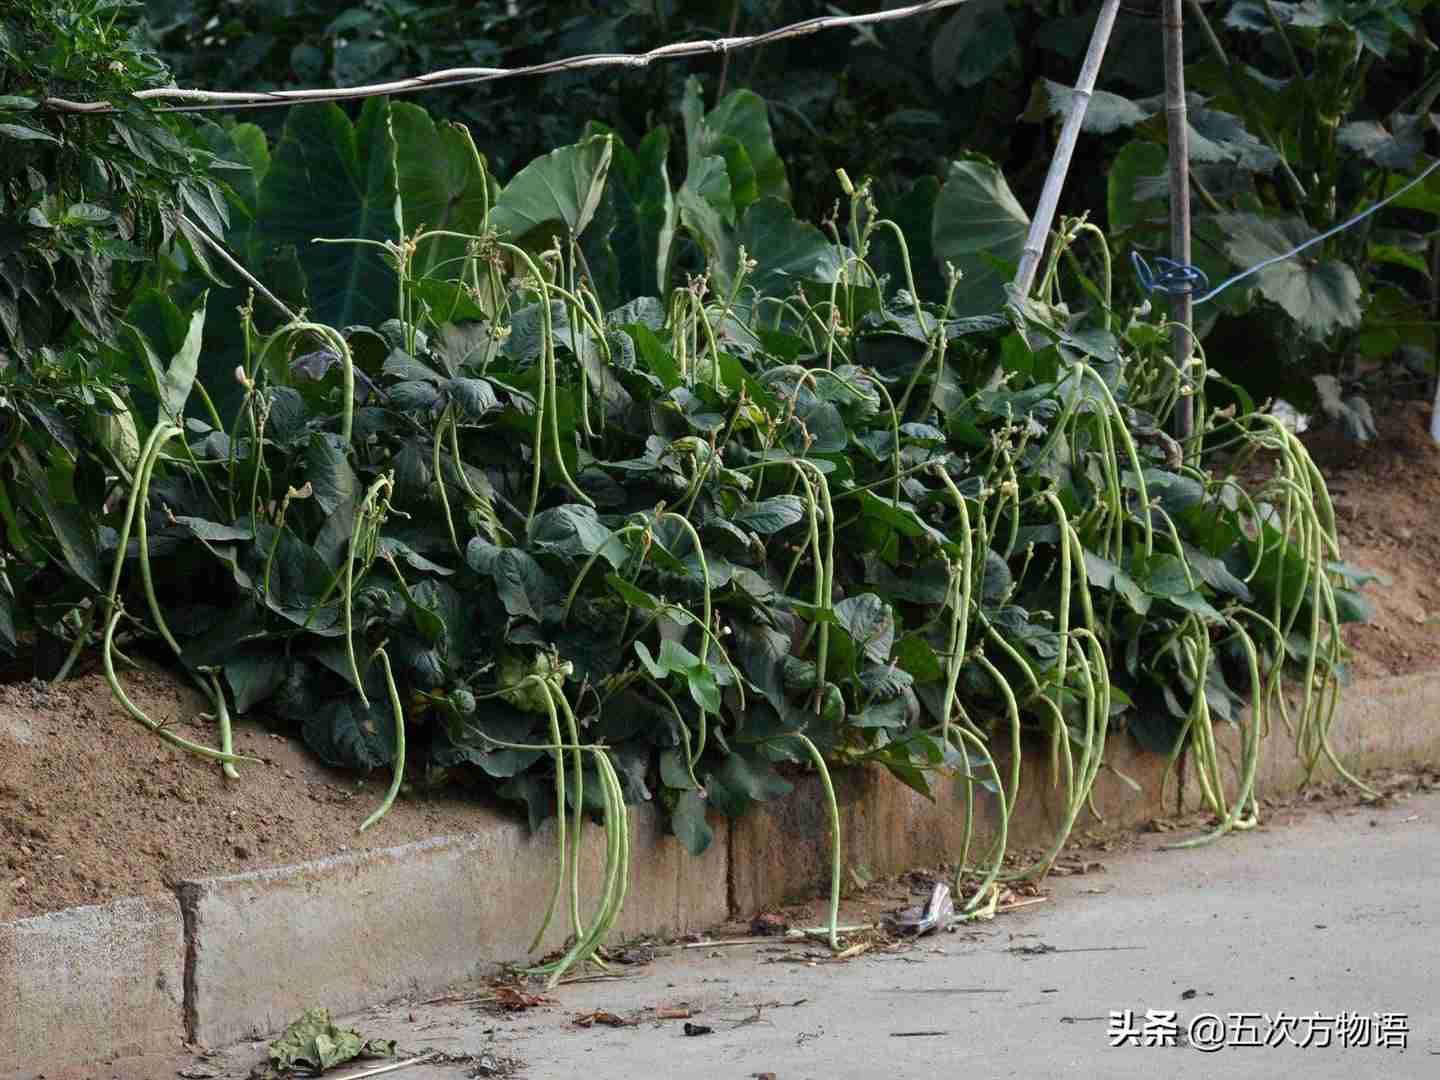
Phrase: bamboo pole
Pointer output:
(1177, 126)
(1064, 150)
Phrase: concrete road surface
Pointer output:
(1319, 932)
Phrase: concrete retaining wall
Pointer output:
(235, 956)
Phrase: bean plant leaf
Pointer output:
(979, 226)
(870, 623)
(1321, 297)
(770, 516)
(254, 673)
(687, 822)
(346, 734)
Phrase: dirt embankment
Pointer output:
(92, 807)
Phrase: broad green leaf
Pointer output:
(333, 480)
(348, 735)
(556, 193)
(973, 44)
(315, 1045)
(1136, 160)
(1105, 113)
(575, 531)
(1321, 297)
(1104, 574)
(642, 218)
(980, 227)
(1160, 575)
(72, 526)
(770, 516)
(687, 822)
(707, 213)
(331, 179)
(443, 186)
(1396, 150)
(1217, 136)
(743, 117)
(870, 623)
(787, 250)
(213, 531)
(254, 673)
(741, 779)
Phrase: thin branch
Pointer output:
(250, 279)
(212, 100)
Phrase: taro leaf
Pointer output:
(442, 182)
(743, 778)
(314, 1044)
(1320, 296)
(771, 515)
(687, 822)
(557, 193)
(331, 179)
(742, 117)
(870, 623)
(575, 532)
(977, 41)
(1105, 114)
(643, 218)
(1136, 160)
(787, 249)
(254, 672)
(349, 736)
(978, 222)
(706, 210)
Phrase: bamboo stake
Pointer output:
(1181, 308)
(1060, 163)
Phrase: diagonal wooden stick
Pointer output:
(1064, 150)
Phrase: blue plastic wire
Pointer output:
(1181, 279)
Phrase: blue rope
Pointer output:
(1182, 279)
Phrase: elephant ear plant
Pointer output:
(680, 547)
